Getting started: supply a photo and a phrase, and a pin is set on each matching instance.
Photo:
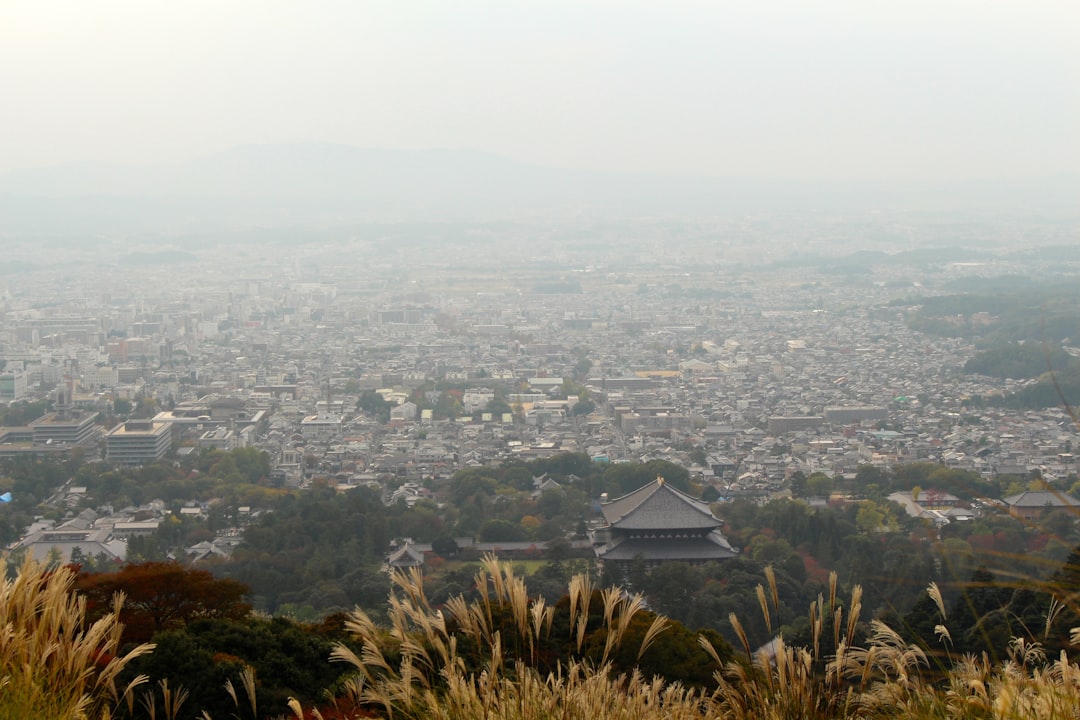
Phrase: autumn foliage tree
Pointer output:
(162, 596)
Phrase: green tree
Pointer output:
(375, 405)
(502, 531)
(979, 597)
(496, 406)
(583, 407)
(819, 485)
(146, 407)
(445, 546)
(871, 517)
(289, 660)
(22, 412)
(671, 586)
(698, 457)
(798, 484)
(582, 368)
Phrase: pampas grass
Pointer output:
(51, 663)
(477, 660)
(480, 659)
(416, 668)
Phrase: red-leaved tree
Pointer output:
(162, 596)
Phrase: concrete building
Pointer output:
(404, 411)
(66, 429)
(321, 428)
(219, 438)
(100, 377)
(13, 385)
(782, 425)
(138, 442)
(844, 415)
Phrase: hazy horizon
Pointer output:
(137, 164)
(836, 90)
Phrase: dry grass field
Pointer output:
(483, 660)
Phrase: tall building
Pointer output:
(66, 428)
(12, 385)
(138, 442)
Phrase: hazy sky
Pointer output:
(808, 88)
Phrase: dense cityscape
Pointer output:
(373, 362)
(536, 361)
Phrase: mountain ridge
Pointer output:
(319, 183)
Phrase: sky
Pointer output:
(806, 89)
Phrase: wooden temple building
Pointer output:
(659, 523)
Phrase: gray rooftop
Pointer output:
(659, 506)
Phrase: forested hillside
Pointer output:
(306, 558)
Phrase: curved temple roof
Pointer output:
(659, 506)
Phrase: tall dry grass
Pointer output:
(480, 660)
(52, 664)
(887, 677)
(425, 666)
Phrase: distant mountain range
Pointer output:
(323, 184)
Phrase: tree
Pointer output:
(819, 485)
(622, 478)
(162, 596)
(582, 368)
(375, 405)
(870, 475)
(551, 503)
(146, 408)
(289, 660)
(583, 407)
(871, 517)
(698, 457)
(445, 546)
(21, 413)
(671, 586)
(980, 596)
(448, 405)
(798, 484)
(496, 406)
(502, 531)
(252, 464)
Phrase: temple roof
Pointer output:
(713, 546)
(1039, 499)
(659, 506)
(405, 556)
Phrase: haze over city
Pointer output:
(414, 358)
(833, 90)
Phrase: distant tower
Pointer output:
(64, 396)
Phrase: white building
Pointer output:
(138, 442)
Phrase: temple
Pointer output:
(658, 523)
